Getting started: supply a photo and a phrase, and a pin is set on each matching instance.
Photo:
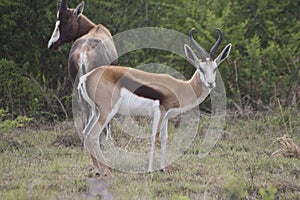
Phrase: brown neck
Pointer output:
(196, 84)
(85, 25)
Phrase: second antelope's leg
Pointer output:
(163, 140)
(157, 118)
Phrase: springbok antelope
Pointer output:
(93, 45)
(113, 89)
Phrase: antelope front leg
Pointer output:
(155, 128)
(163, 141)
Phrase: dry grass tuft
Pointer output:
(66, 135)
(289, 148)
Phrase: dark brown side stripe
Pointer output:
(140, 89)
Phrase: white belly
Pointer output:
(132, 104)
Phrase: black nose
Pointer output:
(210, 84)
(53, 47)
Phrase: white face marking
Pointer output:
(55, 35)
(136, 105)
(208, 73)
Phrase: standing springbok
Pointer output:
(93, 45)
(113, 89)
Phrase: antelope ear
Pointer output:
(78, 10)
(224, 54)
(191, 56)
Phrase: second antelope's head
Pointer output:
(66, 26)
(206, 63)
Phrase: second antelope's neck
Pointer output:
(85, 25)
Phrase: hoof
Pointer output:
(96, 172)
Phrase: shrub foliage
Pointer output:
(263, 65)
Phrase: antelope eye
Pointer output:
(215, 69)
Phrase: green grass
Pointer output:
(50, 163)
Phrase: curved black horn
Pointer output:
(61, 5)
(197, 46)
(217, 44)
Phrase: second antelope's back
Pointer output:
(93, 45)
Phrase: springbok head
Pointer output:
(66, 26)
(207, 64)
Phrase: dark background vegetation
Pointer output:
(255, 158)
(263, 66)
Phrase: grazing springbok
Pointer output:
(113, 89)
(93, 45)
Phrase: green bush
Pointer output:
(7, 124)
(19, 95)
(263, 64)
(24, 95)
